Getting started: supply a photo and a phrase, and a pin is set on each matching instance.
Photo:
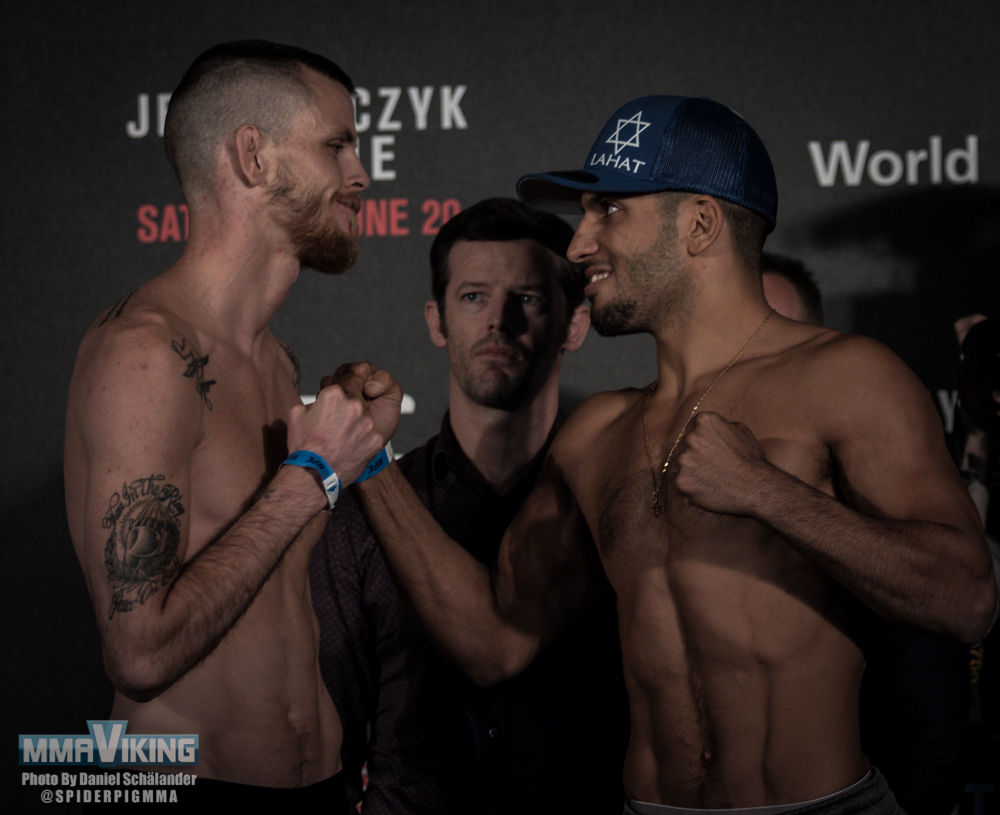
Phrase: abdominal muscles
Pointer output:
(742, 683)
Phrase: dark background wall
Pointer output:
(91, 208)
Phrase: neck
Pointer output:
(708, 336)
(502, 443)
(231, 279)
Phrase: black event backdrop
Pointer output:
(881, 119)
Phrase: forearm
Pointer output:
(156, 645)
(452, 593)
(915, 572)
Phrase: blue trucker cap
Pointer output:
(660, 143)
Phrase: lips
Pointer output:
(352, 203)
(354, 212)
(594, 276)
(497, 352)
(500, 351)
(350, 200)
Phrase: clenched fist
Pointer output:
(355, 413)
(720, 465)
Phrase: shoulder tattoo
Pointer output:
(297, 368)
(195, 369)
(116, 310)
(141, 553)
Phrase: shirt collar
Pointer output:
(448, 456)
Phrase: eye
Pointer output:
(610, 208)
(471, 297)
(530, 299)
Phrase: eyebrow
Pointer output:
(589, 199)
(344, 135)
(539, 288)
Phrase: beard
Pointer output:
(652, 287)
(320, 244)
(500, 387)
(615, 319)
(497, 391)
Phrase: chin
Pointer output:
(499, 393)
(331, 259)
(615, 321)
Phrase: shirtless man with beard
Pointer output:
(194, 544)
(771, 477)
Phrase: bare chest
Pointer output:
(637, 514)
(243, 445)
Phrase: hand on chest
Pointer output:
(695, 479)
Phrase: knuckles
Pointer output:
(331, 392)
(362, 369)
(361, 380)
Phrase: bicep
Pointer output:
(889, 450)
(135, 426)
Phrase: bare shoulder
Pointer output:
(850, 378)
(591, 421)
(145, 313)
(854, 356)
(139, 359)
(880, 424)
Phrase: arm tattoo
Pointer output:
(297, 373)
(116, 310)
(141, 553)
(195, 369)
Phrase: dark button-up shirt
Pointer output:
(553, 737)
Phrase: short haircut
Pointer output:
(231, 85)
(506, 219)
(748, 231)
(795, 272)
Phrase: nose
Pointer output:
(495, 311)
(583, 244)
(355, 177)
(507, 315)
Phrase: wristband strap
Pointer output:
(377, 464)
(331, 483)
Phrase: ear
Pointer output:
(250, 155)
(576, 332)
(702, 223)
(433, 317)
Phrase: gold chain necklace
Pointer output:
(658, 483)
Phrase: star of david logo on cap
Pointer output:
(633, 139)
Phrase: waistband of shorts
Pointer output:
(644, 808)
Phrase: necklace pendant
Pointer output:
(659, 485)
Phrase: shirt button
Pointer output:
(493, 732)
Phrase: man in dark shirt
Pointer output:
(506, 305)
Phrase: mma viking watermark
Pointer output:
(108, 746)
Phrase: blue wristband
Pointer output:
(377, 464)
(331, 483)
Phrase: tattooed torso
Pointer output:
(141, 506)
